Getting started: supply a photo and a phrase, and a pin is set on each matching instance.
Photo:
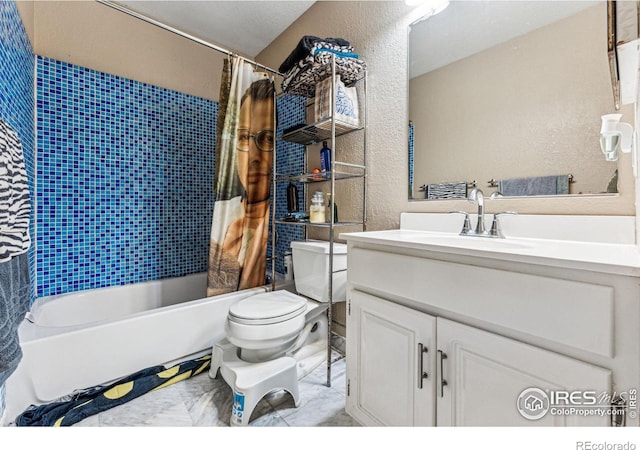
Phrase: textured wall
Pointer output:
(88, 34)
(378, 31)
(474, 113)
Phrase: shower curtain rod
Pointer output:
(171, 29)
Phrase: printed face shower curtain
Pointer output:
(244, 157)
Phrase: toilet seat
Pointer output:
(268, 308)
(268, 322)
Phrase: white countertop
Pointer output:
(620, 259)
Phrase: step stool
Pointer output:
(252, 381)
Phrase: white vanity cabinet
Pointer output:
(484, 375)
(404, 371)
(452, 339)
(394, 347)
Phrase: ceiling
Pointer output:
(245, 27)
(468, 27)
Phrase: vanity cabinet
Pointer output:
(407, 374)
(481, 376)
(447, 340)
(393, 348)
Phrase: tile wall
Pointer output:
(16, 89)
(125, 186)
(17, 105)
(126, 171)
(289, 160)
(123, 176)
(411, 154)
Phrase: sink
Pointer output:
(472, 242)
(559, 241)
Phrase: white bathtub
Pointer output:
(74, 341)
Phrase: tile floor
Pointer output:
(203, 402)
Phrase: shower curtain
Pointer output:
(244, 157)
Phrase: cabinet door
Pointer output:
(486, 374)
(389, 348)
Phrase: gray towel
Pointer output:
(548, 185)
(14, 304)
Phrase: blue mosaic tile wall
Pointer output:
(16, 92)
(125, 186)
(411, 164)
(289, 160)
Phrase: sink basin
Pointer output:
(473, 242)
(536, 242)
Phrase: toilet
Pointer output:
(275, 338)
(269, 325)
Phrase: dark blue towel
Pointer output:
(97, 399)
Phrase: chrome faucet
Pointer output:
(477, 195)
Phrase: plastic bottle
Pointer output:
(316, 211)
(325, 158)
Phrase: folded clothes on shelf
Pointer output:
(305, 47)
(302, 75)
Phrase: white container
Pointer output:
(311, 270)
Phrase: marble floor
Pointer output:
(203, 402)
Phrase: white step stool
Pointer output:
(252, 381)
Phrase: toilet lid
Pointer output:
(268, 308)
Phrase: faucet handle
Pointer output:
(466, 226)
(495, 228)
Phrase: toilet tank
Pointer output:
(311, 269)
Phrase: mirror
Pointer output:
(509, 95)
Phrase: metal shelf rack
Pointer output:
(308, 134)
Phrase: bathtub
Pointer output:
(74, 341)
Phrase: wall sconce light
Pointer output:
(614, 136)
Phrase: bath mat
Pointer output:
(94, 400)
